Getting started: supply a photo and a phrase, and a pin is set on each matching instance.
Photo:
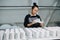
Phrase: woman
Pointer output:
(32, 19)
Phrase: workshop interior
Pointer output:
(13, 12)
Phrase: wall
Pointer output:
(17, 14)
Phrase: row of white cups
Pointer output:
(30, 33)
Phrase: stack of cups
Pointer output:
(35, 33)
(1, 34)
(28, 33)
(6, 34)
(17, 34)
(52, 33)
(42, 33)
(12, 34)
(22, 34)
(58, 32)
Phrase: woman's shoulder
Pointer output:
(28, 15)
(38, 16)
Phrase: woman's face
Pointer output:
(35, 10)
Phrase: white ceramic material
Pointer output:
(22, 34)
(28, 33)
(17, 34)
(1, 34)
(6, 34)
(12, 34)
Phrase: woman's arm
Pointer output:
(31, 24)
(26, 22)
(41, 24)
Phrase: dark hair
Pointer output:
(34, 5)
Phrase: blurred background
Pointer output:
(13, 12)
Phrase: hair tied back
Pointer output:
(34, 4)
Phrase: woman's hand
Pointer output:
(41, 24)
(31, 23)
